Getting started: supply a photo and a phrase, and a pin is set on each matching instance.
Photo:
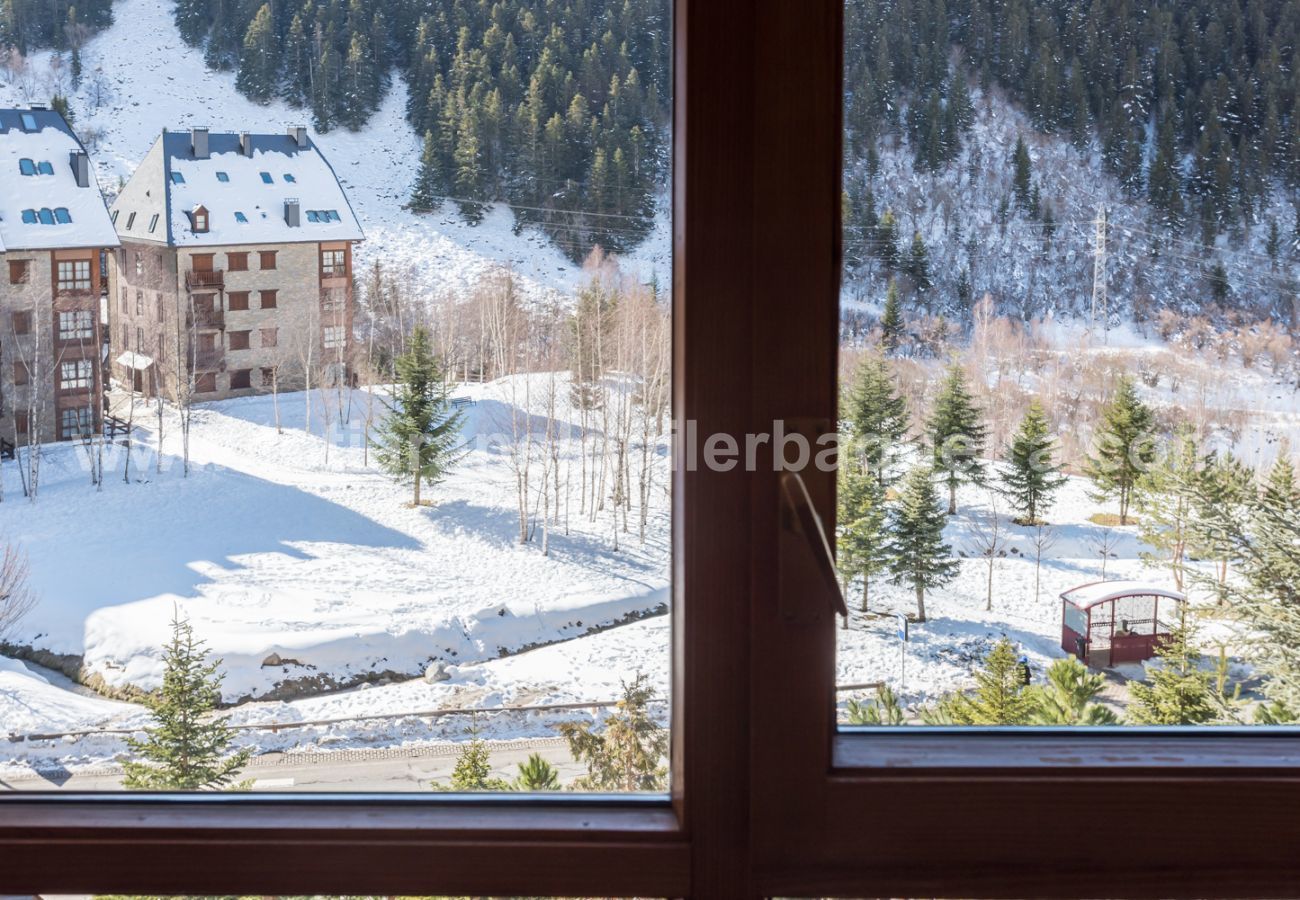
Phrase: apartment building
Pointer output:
(55, 233)
(235, 269)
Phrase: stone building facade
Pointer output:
(225, 284)
(55, 236)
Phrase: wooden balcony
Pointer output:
(205, 280)
(201, 317)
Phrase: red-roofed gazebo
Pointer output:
(1105, 623)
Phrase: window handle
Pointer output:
(804, 541)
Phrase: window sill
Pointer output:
(881, 751)
(343, 843)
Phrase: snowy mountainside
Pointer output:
(1033, 272)
(140, 77)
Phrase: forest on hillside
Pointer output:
(1189, 108)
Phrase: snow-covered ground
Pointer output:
(270, 550)
(140, 78)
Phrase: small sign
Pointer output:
(902, 626)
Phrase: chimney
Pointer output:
(246, 143)
(80, 167)
(292, 214)
(199, 142)
(299, 135)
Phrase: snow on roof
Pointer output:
(133, 360)
(46, 209)
(247, 194)
(1088, 595)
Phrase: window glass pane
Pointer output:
(1068, 316)
(399, 466)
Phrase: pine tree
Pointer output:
(1124, 447)
(877, 418)
(1067, 696)
(861, 550)
(1281, 493)
(1274, 244)
(1218, 281)
(957, 433)
(429, 186)
(257, 63)
(886, 709)
(537, 775)
(629, 754)
(296, 85)
(887, 240)
(918, 556)
(1031, 476)
(1022, 175)
(918, 263)
(1179, 691)
(469, 179)
(192, 20)
(965, 292)
(891, 320)
(1000, 697)
(420, 440)
(473, 770)
(1165, 496)
(186, 749)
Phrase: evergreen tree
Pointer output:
(192, 20)
(886, 709)
(473, 770)
(957, 433)
(629, 754)
(185, 749)
(1281, 493)
(918, 263)
(877, 419)
(537, 775)
(1165, 496)
(296, 85)
(861, 551)
(918, 556)
(887, 240)
(59, 103)
(1000, 697)
(1274, 244)
(1067, 696)
(1031, 476)
(1124, 447)
(419, 441)
(1022, 174)
(1179, 691)
(965, 292)
(257, 63)
(891, 320)
(1218, 281)
(429, 186)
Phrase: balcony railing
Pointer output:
(201, 279)
(207, 317)
(208, 360)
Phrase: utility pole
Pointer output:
(1100, 301)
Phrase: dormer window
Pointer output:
(289, 178)
(199, 220)
(266, 178)
(241, 218)
(62, 216)
(26, 167)
(223, 177)
(45, 167)
(178, 178)
(46, 215)
(29, 122)
(29, 217)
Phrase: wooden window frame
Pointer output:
(263, 256)
(767, 798)
(271, 294)
(237, 301)
(20, 271)
(237, 261)
(243, 337)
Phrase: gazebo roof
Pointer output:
(1086, 596)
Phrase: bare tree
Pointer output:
(16, 598)
(989, 540)
(1043, 540)
(1103, 544)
